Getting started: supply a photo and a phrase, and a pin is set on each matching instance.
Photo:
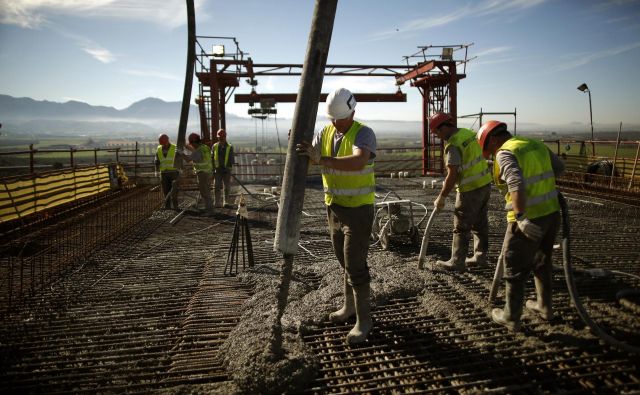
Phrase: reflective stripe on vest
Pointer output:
(216, 163)
(166, 162)
(342, 187)
(205, 162)
(474, 171)
(539, 179)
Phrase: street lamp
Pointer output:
(584, 88)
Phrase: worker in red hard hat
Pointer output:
(345, 150)
(525, 170)
(165, 156)
(199, 154)
(469, 173)
(222, 153)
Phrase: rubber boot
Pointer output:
(510, 315)
(480, 247)
(348, 308)
(359, 332)
(459, 247)
(543, 305)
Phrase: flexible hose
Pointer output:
(568, 273)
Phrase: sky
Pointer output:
(528, 55)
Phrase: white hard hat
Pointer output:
(340, 104)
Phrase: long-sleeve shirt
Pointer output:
(511, 173)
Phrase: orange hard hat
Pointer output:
(222, 132)
(487, 129)
(437, 119)
(194, 138)
(163, 139)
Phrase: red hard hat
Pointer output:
(484, 132)
(194, 138)
(437, 119)
(163, 139)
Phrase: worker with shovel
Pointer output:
(345, 150)
(525, 170)
(165, 156)
(468, 171)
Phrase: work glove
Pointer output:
(529, 229)
(439, 203)
(308, 150)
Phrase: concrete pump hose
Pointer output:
(568, 273)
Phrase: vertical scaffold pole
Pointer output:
(295, 168)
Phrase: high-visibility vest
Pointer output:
(166, 162)
(540, 182)
(216, 162)
(346, 188)
(473, 172)
(205, 162)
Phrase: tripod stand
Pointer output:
(240, 238)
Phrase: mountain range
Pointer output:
(152, 115)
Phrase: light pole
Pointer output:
(584, 88)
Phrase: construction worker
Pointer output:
(200, 155)
(222, 162)
(345, 149)
(525, 170)
(469, 172)
(165, 156)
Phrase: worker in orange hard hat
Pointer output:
(345, 150)
(199, 154)
(222, 162)
(165, 155)
(468, 172)
(525, 170)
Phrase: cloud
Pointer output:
(34, 13)
(101, 54)
(580, 59)
(485, 8)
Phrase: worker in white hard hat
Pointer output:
(468, 172)
(345, 150)
(199, 154)
(525, 170)
(165, 155)
(222, 162)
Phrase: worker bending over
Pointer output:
(200, 155)
(222, 162)
(165, 156)
(469, 172)
(525, 170)
(345, 150)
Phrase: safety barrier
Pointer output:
(25, 195)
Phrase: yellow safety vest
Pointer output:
(474, 171)
(216, 163)
(166, 162)
(539, 179)
(341, 187)
(205, 163)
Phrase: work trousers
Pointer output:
(522, 255)
(470, 216)
(204, 185)
(350, 231)
(166, 181)
(222, 177)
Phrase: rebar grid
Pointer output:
(39, 258)
(150, 310)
